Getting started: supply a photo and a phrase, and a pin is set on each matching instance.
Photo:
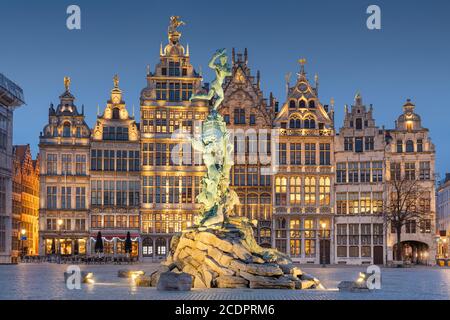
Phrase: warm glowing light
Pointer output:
(23, 232)
(323, 225)
(59, 222)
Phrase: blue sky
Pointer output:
(407, 58)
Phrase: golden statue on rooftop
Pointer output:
(67, 83)
(116, 81)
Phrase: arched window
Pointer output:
(294, 123)
(312, 104)
(116, 113)
(302, 104)
(292, 104)
(409, 146)
(147, 247)
(312, 124)
(306, 124)
(66, 129)
(161, 249)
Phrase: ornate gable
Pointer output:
(303, 109)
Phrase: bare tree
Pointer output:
(406, 199)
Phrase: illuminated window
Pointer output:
(353, 203)
(409, 146)
(324, 191)
(310, 191)
(365, 202)
(295, 193)
(280, 191)
(341, 203)
(377, 202)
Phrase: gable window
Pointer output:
(348, 144)
(310, 124)
(358, 144)
(302, 104)
(359, 125)
(292, 104)
(399, 146)
(369, 143)
(294, 123)
(66, 129)
(115, 114)
(409, 146)
(239, 116)
(419, 145)
(312, 104)
(252, 119)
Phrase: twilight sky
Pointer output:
(408, 58)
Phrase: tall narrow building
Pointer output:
(11, 97)
(25, 199)
(64, 179)
(115, 177)
(302, 195)
(410, 155)
(249, 119)
(168, 118)
(359, 156)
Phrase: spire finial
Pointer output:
(98, 110)
(258, 78)
(187, 50)
(233, 56)
(67, 83)
(160, 49)
(245, 55)
(133, 111)
(302, 62)
(332, 102)
(148, 69)
(116, 81)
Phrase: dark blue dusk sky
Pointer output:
(408, 58)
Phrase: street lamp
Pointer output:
(323, 225)
(59, 222)
(23, 237)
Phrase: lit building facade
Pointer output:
(249, 118)
(11, 97)
(410, 155)
(359, 188)
(168, 118)
(443, 216)
(303, 199)
(115, 177)
(64, 179)
(25, 199)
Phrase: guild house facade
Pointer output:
(314, 193)
(64, 179)
(115, 177)
(249, 117)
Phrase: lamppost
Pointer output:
(323, 225)
(59, 222)
(23, 237)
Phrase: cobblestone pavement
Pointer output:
(46, 281)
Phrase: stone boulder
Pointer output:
(228, 256)
(172, 281)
